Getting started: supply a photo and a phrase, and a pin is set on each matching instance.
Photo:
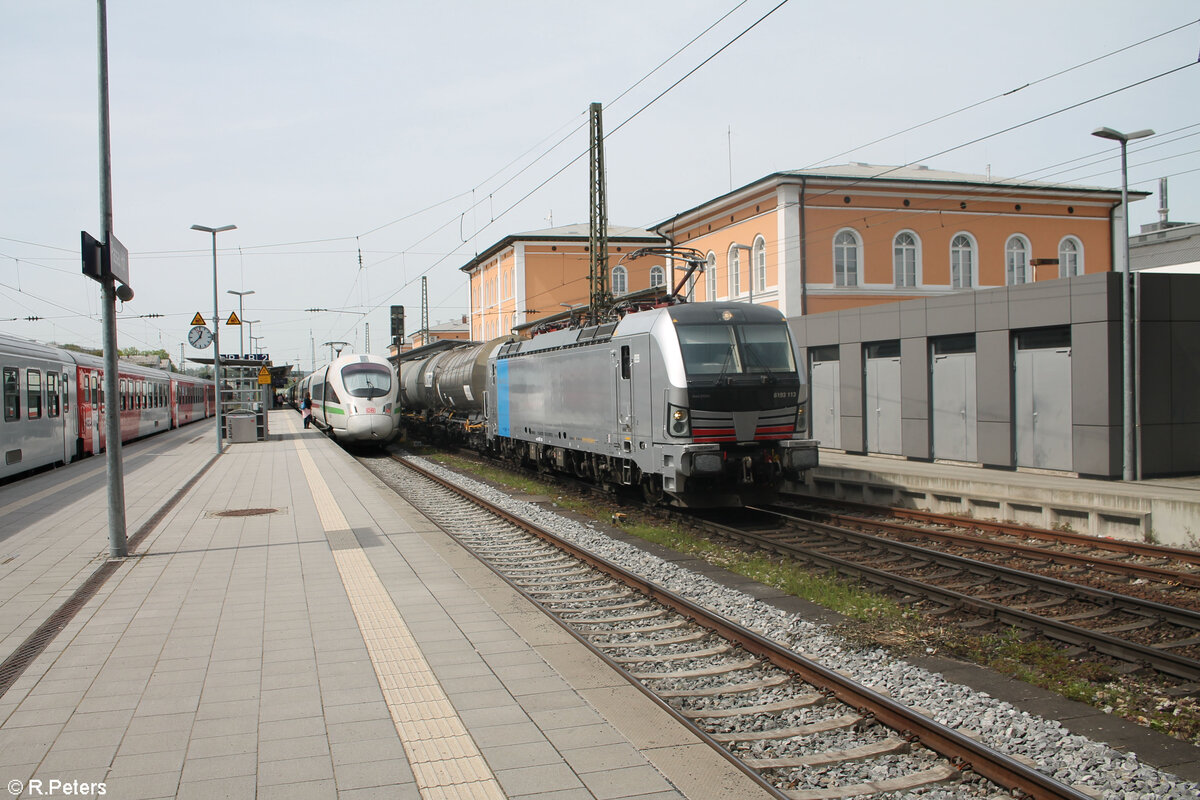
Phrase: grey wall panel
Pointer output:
(993, 371)
(821, 329)
(914, 365)
(915, 438)
(1154, 298)
(1096, 449)
(950, 314)
(880, 322)
(1185, 373)
(1158, 449)
(995, 444)
(851, 358)
(991, 310)
(1095, 298)
(850, 325)
(1185, 297)
(1155, 358)
(1185, 443)
(913, 318)
(1095, 356)
(1039, 305)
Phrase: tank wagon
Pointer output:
(354, 399)
(697, 404)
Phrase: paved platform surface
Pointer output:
(336, 644)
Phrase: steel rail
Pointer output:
(962, 751)
(1163, 661)
(1029, 531)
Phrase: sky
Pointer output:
(362, 145)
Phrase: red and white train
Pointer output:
(54, 404)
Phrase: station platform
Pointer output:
(1164, 511)
(286, 626)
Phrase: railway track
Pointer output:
(1138, 632)
(800, 727)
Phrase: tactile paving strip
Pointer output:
(444, 758)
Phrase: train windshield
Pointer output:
(367, 380)
(722, 350)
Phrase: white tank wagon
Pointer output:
(697, 404)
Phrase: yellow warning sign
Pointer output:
(198, 319)
(264, 376)
(233, 319)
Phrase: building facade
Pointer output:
(529, 276)
(828, 239)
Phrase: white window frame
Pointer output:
(1016, 254)
(658, 276)
(855, 247)
(1065, 270)
(758, 257)
(899, 270)
(972, 249)
(710, 270)
(620, 278)
(734, 260)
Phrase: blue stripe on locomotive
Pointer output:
(502, 398)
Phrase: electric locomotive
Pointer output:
(354, 399)
(698, 404)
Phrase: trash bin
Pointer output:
(242, 428)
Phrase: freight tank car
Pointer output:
(697, 404)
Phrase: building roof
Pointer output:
(579, 231)
(858, 172)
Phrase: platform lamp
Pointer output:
(1127, 388)
(241, 318)
(250, 323)
(216, 323)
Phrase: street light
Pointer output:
(252, 340)
(250, 323)
(241, 341)
(1127, 388)
(216, 323)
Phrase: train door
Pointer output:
(65, 409)
(624, 378)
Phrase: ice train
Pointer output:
(353, 399)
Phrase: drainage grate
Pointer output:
(244, 512)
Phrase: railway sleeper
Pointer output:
(666, 658)
(942, 774)
(824, 726)
(733, 688)
(702, 672)
(687, 637)
(860, 753)
(799, 701)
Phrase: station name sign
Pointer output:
(101, 261)
(246, 357)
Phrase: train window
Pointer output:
(625, 363)
(66, 392)
(33, 393)
(12, 394)
(53, 400)
(331, 396)
(123, 391)
(367, 380)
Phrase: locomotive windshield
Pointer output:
(367, 380)
(722, 350)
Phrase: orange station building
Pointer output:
(833, 238)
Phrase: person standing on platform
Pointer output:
(306, 409)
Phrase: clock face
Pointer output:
(200, 337)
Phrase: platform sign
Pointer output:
(116, 260)
(198, 319)
(264, 377)
(233, 319)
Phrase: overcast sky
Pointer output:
(360, 145)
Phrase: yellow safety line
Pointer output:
(443, 756)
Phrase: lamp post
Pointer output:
(1127, 387)
(216, 323)
(332, 345)
(252, 340)
(250, 323)
(241, 318)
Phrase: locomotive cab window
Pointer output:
(367, 380)
(735, 349)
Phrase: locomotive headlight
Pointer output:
(678, 421)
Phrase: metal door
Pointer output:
(624, 376)
(882, 409)
(955, 414)
(825, 385)
(1042, 391)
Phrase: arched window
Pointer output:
(620, 281)
(758, 258)
(711, 271)
(1016, 260)
(906, 259)
(847, 255)
(1070, 257)
(962, 262)
(657, 276)
(735, 272)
